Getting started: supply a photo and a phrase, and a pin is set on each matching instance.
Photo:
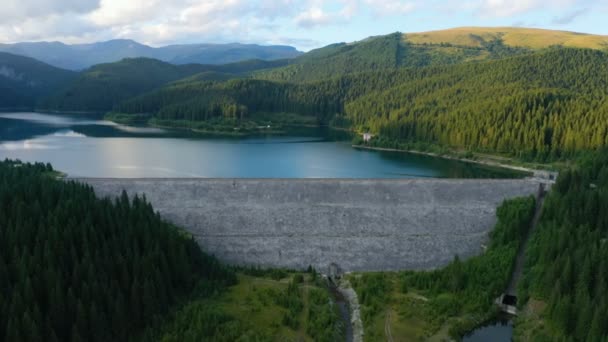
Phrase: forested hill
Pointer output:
(542, 105)
(453, 46)
(23, 80)
(104, 86)
(77, 268)
(382, 53)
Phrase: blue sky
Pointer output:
(305, 24)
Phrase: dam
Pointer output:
(356, 224)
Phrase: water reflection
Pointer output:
(85, 146)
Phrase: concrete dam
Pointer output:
(359, 225)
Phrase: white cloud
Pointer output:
(326, 12)
(508, 8)
(14, 11)
(160, 22)
(69, 27)
(391, 7)
(314, 16)
(121, 12)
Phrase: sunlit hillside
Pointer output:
(511, 36)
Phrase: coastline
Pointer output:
(537, 173)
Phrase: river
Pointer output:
(89, 147)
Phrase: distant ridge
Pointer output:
(82, 56)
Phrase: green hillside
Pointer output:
(383, 53)
(103, 86)
(542, 105)
(77, 268)
(453, 46)
(565, 284)
(23, 80)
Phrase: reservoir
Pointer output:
(82, 146)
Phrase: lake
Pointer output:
(88, 147)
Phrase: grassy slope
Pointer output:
(511, 36)
(251, 309)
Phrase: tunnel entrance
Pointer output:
(509, 300)
(334, 273)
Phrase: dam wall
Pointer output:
(360, 225)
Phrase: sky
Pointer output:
(305, 24)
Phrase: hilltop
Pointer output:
(529, 38)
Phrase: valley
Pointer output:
(220, 191)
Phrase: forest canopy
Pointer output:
(77, 268)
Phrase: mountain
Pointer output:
(82, 56)
(383, 53)
(454, 46)
(103, 86)
(224, 53)
(23, 80)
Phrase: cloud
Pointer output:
(324, 12)
(314, 16)
(391, 7)
(67, 27)
(569, 17)
(160, 22)
(509, 8)
(14, 11)
(121, 12)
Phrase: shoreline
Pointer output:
(536, 173)
(216, 133)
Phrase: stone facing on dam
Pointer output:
(361, 225)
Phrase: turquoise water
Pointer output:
(88, 147)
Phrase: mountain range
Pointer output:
(82, 56)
